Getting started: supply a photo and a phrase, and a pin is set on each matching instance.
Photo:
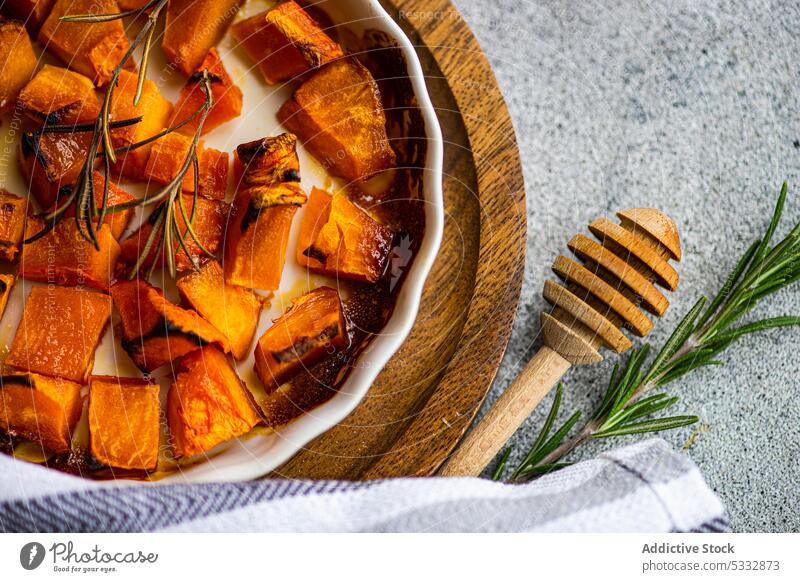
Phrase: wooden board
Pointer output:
(424, 400)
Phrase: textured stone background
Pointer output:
(691, 107)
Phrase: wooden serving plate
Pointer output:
(428, 394)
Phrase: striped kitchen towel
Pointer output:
(647, 487)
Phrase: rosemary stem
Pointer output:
(571, 443)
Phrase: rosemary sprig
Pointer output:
(164, 218)
(165, 223)
(697, 341)
(83, 190)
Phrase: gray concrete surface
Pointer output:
(691, 107)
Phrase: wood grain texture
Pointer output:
(427, 395)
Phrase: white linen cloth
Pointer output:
(647, 487)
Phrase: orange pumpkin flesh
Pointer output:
(207, 404)
(285, 42)
(312, 328)
(267, 200)
(194, 26)
(17, 62)
(64, 257)
(59, 332)
(155, 111)
(156, 332)
(32, 12)
(208, 226)
(227, 97)
(168, 155)
(339, 239)
(50, 161)
(233, 310)
(6, 283)
(13, 214)
(338, 114)
(93, 49)
(124, 417)
(58, 96)
(41, 409)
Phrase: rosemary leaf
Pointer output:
(497, 474)
(647, 426)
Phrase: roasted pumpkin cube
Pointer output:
(208, 404)
(18, 62)
(58, 96)
(213, 174)
(208, 226)
(41, 409)
(285, 42)
(154, 110)
(156, 332)
(118, 220)
(32, 12)
(264, 164)
(64, 257)
(312, 328)
(339, 239)
(256, 243)
(6, 284)
(124, 422)
(227, 97)
(50, 161)
(233, 310)
(268, 196)
(168, 155)
(59, 332)
(13, 214)
(193, 27)
(338, 114)
(94, 49)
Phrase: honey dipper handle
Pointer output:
(483, 442)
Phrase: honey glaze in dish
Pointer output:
(394, 198)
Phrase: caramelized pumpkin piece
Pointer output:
(337, 113)
(6, 284)
(227, 97)
(32, 12)
(193, 27)
(131, 4)
(64, 257)
(59, 332)
(117, 221)
(339, 239)
(285, 42)
(233, 310)
(58, 96)
(124, 418)
(268, 196)
(50, 161)
(310, 329)
(41, 409)
(155, 111)
(208, 226)
(168, 155)
(17, 62)
(13, 214)
(208, 404)
(93, 49)
(156, 332)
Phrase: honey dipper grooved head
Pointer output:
(618, 278)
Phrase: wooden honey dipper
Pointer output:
(596, 300)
